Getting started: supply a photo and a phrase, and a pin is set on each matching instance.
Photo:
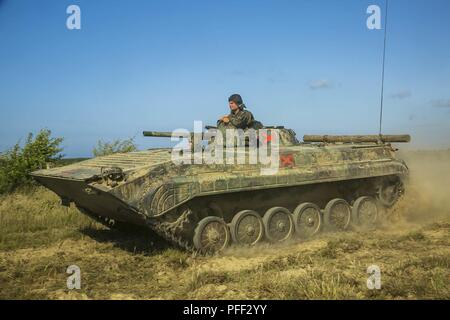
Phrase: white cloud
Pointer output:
(320, 84)
(441, 103)
(401, 94)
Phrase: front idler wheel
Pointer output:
(247, 228)
(307, 220)
(337, 215)
(278, 224)
(211, 235)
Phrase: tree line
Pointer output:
(41, 151)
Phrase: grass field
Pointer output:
(39, 239)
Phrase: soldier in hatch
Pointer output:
(238, 118)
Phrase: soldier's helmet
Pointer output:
(236, 98)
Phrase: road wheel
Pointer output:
(307, 220)
(337, 215)
(365, 211)
(278, 225)
(211, 235)
(247, 228)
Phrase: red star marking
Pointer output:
(287, 160)
(267, 137)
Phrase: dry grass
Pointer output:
(39, 239)
(35, 218)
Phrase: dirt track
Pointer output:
(39, 240)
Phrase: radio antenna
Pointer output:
(384, 58)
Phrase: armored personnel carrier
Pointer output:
(322, 183)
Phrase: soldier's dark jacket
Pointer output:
(240, 120)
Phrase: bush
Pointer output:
(116, 146)
(17, 163)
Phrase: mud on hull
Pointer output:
(189, 222)
(181, 225)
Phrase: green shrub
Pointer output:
(116, 146)
(17, 162)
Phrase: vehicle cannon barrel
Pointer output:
(166, 134)
(357, 138)
(182, 134)
(157, 134)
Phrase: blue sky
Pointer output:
(136, 65)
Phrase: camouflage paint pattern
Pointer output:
(150, 185)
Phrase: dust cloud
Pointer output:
(427, 197)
